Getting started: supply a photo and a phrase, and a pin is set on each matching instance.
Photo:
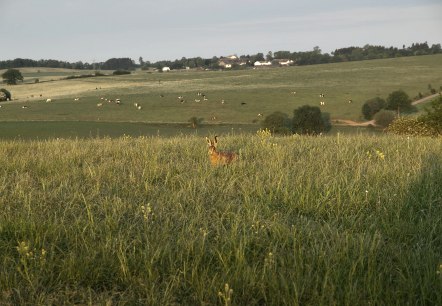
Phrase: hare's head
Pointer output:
(212, 144)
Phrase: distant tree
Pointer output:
(141, 61)
(195, 122)
(399, 101)
(278, 123)
(309, 120)
(433, 117)
(269, 56)
(120, 72)
(384, 117)
(11, 76)
(372, 106)
(118, 64)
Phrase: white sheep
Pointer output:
(99, 104)
(48, 100)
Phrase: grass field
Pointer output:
(263, 90)
(338, 220)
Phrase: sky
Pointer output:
(96, 30)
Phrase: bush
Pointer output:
(309, 120)
(372, 106)
(433, 118)
(278, 123)
(411, 127)
(120, 72)
(6, 95)
(384, 117)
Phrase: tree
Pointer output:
(399, 101)
(195, 122)
(372, 106)
(278, 123)
(309, 120)
(11, 76)
(433, 117)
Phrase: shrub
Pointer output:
(433, 118)
(411, 127)
(120, 72)
(277, 123)
(372, 106)
(384, 117)
(6, 94)
(309, 120)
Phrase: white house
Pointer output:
(283, 62)
(261, 63)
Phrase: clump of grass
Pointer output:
(296, 220)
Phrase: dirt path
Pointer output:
(425, 99)
(347, 122)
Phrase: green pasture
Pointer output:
(340, 220)
(246, 93)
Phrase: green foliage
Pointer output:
(195, 122)
(384, 117)
(278, 123)
(309, 120)
(433, 118)
(399, 101)
(120, 72)
(411, 127)
(11, 76)
(372, 106)
(147, 221)
(6, 94)
(118, 64)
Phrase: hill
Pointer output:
(246, 93)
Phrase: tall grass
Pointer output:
(338, 220)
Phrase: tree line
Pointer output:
(312, 57)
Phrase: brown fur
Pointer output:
(219, 158)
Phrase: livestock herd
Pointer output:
(198, 98)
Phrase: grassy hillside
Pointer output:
(338, 220)
(262, 91)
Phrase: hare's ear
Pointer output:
(208, 141)
(216, 140)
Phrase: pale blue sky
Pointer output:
(96, 30)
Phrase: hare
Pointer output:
(219, 158)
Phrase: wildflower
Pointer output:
(380, 154)
(226, 295)
(23, 248)
(146, 211)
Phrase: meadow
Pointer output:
(336, 220)
(246, 93)
(98, 207)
